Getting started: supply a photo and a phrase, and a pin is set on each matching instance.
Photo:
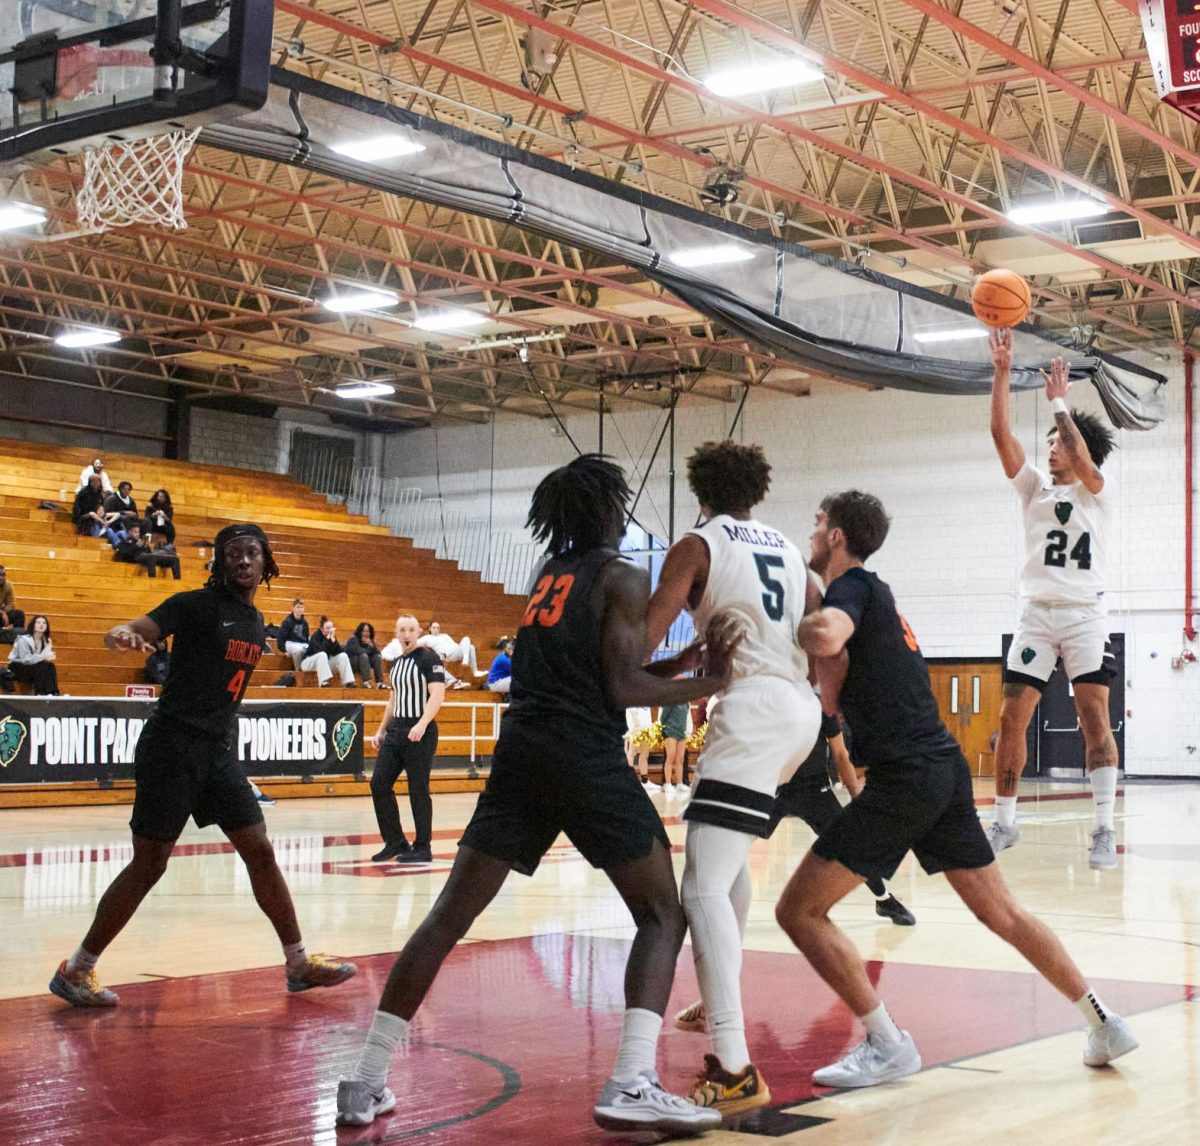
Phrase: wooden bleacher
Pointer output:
(341, 564)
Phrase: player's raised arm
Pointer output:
(139, 635)
(1010, 450)
(825, 632)
(1058, 382)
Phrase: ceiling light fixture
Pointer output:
(516, 340)
(1056, 211)
(86, 336)
(377, 148)
(351, 390)
(762, 77)
(952, 334)
(711, 256)
(14, 215)
(441, 320)
(360, 299)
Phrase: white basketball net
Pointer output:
(135, 181)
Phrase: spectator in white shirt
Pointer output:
(450, 650)
(97, 467)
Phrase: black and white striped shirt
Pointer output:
(412, 674)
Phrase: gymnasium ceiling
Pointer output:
(933, 118)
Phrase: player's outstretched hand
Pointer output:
(721, 641)
(1058, 381)
(123, 639)
(691, 658)
(1000, 344)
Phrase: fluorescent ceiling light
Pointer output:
(1057, 211)
(762, 77)
(364, 298)
(515, 340)
(951, 334)
(87, 336)
(377, 148)
(14, 215)
(451, 319)
(365, 390)
(710, 256)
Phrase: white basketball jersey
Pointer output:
(760, 575)
(1066, 532)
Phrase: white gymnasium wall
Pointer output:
(953, 555)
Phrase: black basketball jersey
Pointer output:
(556, 664)
(886, 696)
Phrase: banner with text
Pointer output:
(44, 740)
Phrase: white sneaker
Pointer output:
(869, 1064)
(643, 1105)
(358, 1104)
(1001, 837)
(1110, 1040)
(1102, 855)
(651, 786)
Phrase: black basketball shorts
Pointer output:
(924, 804)
(180, 772)
(544, 782)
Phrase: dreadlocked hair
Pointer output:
(1098, 438)
(727, 477)
(216, 579)
(575, 506)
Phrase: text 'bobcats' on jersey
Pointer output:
(759, 576)
(1067, 531)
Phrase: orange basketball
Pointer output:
(1000, 298)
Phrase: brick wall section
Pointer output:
(220, 438)
(954, 552)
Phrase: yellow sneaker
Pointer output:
(692, 1019)
(319, 971)
(729, 1094)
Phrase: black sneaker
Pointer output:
(416, 855)
(891, 908)
(391, 851)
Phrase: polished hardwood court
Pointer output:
(520, 1030)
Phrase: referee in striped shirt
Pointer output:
(407, 739)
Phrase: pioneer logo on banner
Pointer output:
(43, 740)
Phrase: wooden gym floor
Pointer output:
(520, 1030)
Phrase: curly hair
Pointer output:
(1098, 438)
(216, 579)
(575, 507)
(861, 517)
(727, 477)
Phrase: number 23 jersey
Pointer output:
(1067, 531)
(758, 574)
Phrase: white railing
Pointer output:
(485, 728)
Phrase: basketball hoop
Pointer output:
(133, 181)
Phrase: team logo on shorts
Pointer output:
(1062, 510)
(344, 733)
(12, 736)
(1027, 655)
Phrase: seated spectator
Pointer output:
(293, 634)
(364, 654)
(159, 512)
(157, 664)
(122, 504)
(89, 515)
(325, 654)
(135, 549)
(11, 618)
(96, 469)
(450, 650)
(32, 658)
(499, 677)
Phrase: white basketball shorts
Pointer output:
(1076, 633)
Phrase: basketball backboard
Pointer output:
(78, 72)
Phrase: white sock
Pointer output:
(387, 1032)
(639, 1044)
(82, 960)
(294, 954)
(1093, 1010)
(1006, 811)
(880, 1028)
(1104, 794)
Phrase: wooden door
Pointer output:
(968, 695)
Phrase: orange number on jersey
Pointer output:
(910, 638)
(549, 614)
(236, 684)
